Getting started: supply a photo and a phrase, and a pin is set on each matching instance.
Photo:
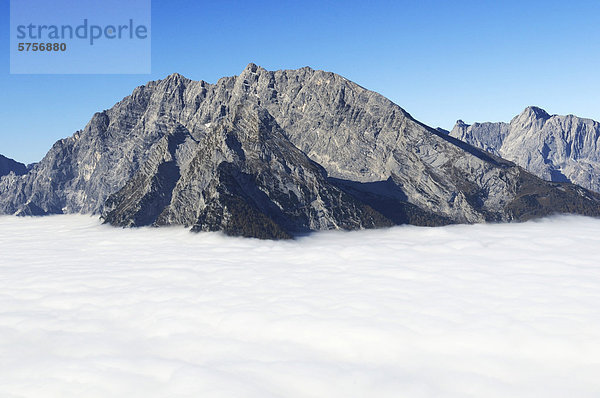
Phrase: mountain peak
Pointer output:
(251, 73)
(252, 68)
(535, 112)
(175, 77)
(553, 147)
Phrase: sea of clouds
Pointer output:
(88, 310)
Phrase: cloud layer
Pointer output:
(88, 310)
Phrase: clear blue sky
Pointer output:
(439, 60)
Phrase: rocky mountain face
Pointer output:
(244, 177)
(8, 166)
(555, 148)
(273, 154)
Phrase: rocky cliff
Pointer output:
(273, 154)
(555, 148)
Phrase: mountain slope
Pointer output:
(555, 148)
(8, 165)
(272, 154)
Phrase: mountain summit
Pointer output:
(271, 154)
(553, 147)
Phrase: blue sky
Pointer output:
(439, 60)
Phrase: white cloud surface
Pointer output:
(509, 310)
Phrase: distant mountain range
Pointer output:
(555, 148)
(275, 154)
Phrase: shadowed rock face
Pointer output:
(272, 154)
(555, 148)
(8, 166)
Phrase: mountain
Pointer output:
(8, 165)
(275, 154)
(555, 148)
(243, 177)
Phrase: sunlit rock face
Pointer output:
(554, 148)
(273, 154)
